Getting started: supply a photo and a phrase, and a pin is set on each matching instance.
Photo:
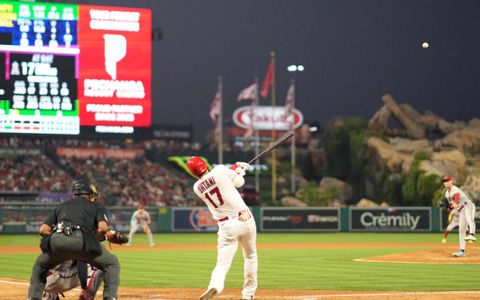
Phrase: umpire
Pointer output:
(79, 225)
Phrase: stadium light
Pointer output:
(295, 68)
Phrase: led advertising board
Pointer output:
(69, 69)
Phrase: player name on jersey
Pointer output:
(207, 183)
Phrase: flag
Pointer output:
(249, 133)
(215, 107)
(268, 81)
(289, 101)
(248, 93)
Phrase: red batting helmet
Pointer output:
(197, 166)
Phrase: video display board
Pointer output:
(69, 69)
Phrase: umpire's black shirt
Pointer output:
(79, 211)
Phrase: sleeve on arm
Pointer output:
(456, 198)
(51, 219)
(238, 180)
(101, 214)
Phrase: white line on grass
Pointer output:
(316, 297)
(27, 283)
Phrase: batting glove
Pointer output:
(243, 165)
(245, 215)
(240, 171)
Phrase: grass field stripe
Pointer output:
(413, 262)
(316, 297)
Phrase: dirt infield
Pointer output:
(17, 289)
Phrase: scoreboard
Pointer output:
(73, 69)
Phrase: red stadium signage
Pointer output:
(267, 118)
(115, 66)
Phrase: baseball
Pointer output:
(425, 45)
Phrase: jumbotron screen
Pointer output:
(69, 69)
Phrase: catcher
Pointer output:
(69, 274)
(66, 276)
(140, 219)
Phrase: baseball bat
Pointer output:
(275, 144)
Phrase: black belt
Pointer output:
(67, 228)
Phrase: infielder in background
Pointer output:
(218, 189)
(466, 209)
(140, 219)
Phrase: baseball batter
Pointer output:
(466, 209)
(218, 189)
(141, 219)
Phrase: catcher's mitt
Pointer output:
(444, 204)
(115, 237)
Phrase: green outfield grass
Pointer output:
(316, 269)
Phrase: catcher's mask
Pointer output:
(82, 187)
(197, 166)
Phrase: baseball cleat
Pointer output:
(84, 295)
(470, 237)
(459, 253)
(128, 244)
(208, 294)
(152, 244)
(444, 241)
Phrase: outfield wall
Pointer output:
(21, 220)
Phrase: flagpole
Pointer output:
(220, 121)
(257, 146)
(292, 141)
(274, 156)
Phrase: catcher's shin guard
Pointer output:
(95, 279)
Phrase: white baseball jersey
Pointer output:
(141, 218)
(218, 189)
(456, 190)
(466, 210)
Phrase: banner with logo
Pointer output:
(300, 219)
(115, 66)
(444, 220)
(193, 219)
(267, 118)
(13, 152)
(405, 219)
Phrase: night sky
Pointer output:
(354, 51)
